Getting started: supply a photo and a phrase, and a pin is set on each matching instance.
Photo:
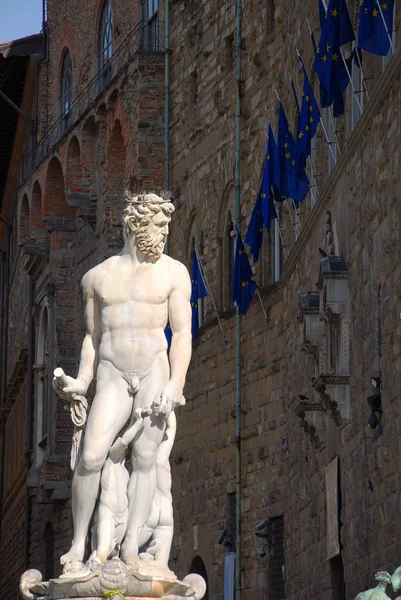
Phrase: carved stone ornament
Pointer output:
(311, 415)
(333, 391)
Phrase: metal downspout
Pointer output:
(29, 432)
(166, 102)
(4, 371)
(238, 316)
(166, 96)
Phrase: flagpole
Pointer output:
(238, 411)
(211, 295)
(261, 304)
(279, 228)
(385, 26)
(362, 73)
(350, 80)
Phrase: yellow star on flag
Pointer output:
(293, 162)
(307, 127)
(268, 157)
(328, 48)
(375, 12)
(287, 155)
(334, 12)
(301, 135)
(335, 56)
(310, 119)
(286, 145)
(324, 58)
(384, 5)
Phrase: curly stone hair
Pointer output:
(141, 208)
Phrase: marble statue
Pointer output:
(379, 592)
(122, 442)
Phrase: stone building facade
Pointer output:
(323, 332)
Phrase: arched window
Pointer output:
(105, 43)
(43, 380)
(66, 91)
(198, 566)
(150, 33)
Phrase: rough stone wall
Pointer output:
(282, 471)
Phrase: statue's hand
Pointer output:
(168, 398)
(69, 387)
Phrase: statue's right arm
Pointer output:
(90, 344)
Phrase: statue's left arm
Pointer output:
(181, 343)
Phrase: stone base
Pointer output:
(116, 581)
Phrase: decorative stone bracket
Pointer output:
(312, 422)
(333, 391)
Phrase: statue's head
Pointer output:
(147, 217)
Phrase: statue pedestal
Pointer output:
(115, 581)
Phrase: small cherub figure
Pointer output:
(379, 592)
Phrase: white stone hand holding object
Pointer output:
(67, 387)
(168, 398)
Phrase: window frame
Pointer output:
(105, 51)
(66, 91)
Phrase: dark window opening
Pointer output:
(229, 52)
(277, 564)
(270, 16)
(198, 566)
(231, 521)
(66, 92)
(150, 29)
(105, 45)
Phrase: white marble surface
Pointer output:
(128, 300)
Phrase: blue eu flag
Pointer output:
(254, 234)
(309, 119)
(293, 181)
(244, 285)
(198, 291)
(264, 211)
(373, 35)
(335, 32)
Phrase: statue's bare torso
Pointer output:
(132, 308)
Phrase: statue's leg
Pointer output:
(163, 535)
(111, 409)
(143, 481)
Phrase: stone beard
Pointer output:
(148, 244)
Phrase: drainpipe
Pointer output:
(4, 364)
(238, 316)
(29, 432)
(166, 101)
(166, 96)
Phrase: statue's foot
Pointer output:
(75, 554)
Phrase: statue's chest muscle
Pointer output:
(120, 287)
